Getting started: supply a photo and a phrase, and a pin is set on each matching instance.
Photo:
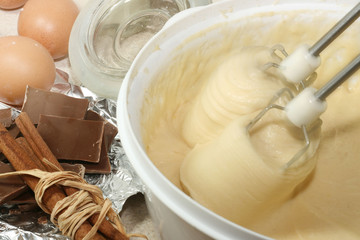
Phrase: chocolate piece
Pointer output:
(14, 130)
(5, 120)
(42, 220)
(110, 130)
(2, 157)
(10, 187)
(14, 211)
(28, 207)
(49, 103)
(77, 168)
(72, 139)
(5, 117)
(25, 198)
(102, 167)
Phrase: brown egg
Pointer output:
(49, 22)
(23, 61)
(11, 4)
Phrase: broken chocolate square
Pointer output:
(72, 139)
(10, 187)
(50, 103)
(110, 130)
(102, 167)
(5, 117)
(13, 130)
(77, 168)
(24, 198)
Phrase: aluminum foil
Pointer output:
(117, 186)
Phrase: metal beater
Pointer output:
(299, 68)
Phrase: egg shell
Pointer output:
(81, 3)
(11, 4)
(23, 61)
(49, 22)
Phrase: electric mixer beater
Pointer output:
(298, 69)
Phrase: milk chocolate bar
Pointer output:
(103, 166)
(77, 168)
(13, 130)
(10, 187)
(25, 198)
(5, 117)
(49, 103)
(110, 130)
(5, 120)
(72, 139)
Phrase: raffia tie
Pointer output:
(69, 213)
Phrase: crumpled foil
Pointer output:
(117, 186)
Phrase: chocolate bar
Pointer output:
(10, 187)
(72, 139)
(77, 168)
(102, 167)
(5, 117)
(25, 198)
(39, 102)
(110, 130)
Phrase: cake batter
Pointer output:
(186, 120)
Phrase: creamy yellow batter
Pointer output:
(223, 97)
(194, 119)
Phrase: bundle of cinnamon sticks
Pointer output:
(27, 153)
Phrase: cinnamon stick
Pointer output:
(34, 139)
(20, 160)
(42, 151)
(24, 144)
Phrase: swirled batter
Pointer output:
(196, 122)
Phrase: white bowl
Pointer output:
(176, 215)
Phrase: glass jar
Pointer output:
(108, 34)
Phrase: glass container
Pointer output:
(108, 34)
